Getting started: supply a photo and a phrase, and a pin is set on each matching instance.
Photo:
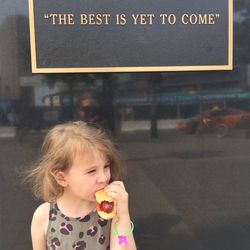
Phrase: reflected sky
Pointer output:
(13, 7)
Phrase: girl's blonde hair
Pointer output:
(61, 145)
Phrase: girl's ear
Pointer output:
(60, 178)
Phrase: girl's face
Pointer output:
(87, 175)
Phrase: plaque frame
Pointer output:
(36, 69)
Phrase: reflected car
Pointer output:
(218, 121)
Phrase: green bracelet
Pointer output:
(123, 238)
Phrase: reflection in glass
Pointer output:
(184, 135)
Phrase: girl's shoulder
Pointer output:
(41, 215)
(42, 211)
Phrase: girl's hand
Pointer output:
(117, 190)
(122, 223)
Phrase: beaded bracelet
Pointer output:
(123, 238)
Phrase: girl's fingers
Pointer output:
(117, 183)
(115, 186)
(117, 192)
(114, 194)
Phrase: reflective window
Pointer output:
(184, 137)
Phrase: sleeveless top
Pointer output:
(64, 233)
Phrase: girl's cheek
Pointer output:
(109, 177)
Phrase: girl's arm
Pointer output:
(121, 225)
(38, 227)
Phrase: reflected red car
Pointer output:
(216, 119)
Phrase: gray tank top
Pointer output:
(90, 232)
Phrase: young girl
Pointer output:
(78, 159)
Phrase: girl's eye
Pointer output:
(107, 166)
(91, 171)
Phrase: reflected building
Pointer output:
(183, 94)
(135, 96)
(14, 56)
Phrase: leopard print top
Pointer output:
(64, 233)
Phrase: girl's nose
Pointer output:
(103, 177)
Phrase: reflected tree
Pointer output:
(242, 31)
(71, 80)
(154, 81)
(89, 80)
